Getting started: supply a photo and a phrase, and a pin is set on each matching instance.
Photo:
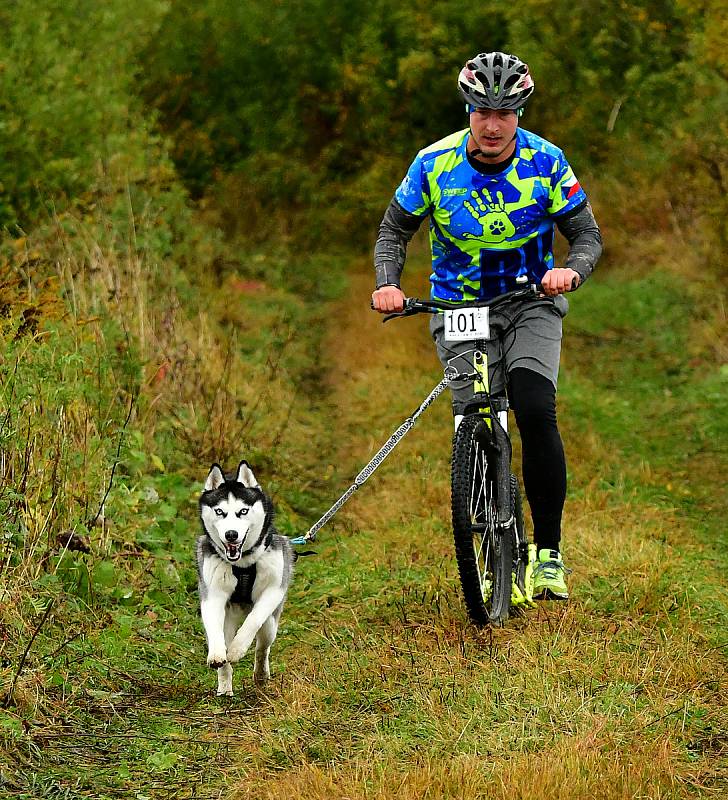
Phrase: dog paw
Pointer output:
(235, 652)
(261, 678)
(216, 660)
(225, 693)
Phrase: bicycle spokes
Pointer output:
(482, 548)
(478, 500)
(482, 518)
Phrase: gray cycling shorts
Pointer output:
(525, 333)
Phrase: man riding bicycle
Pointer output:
(494, 193)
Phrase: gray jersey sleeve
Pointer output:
(395, 231)
(585, 240)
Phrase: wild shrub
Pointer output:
(71, 121)
(310, 139)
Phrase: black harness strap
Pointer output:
(243, 593)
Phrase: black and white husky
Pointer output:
(244, 568)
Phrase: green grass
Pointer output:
(380, 686)
(658, 407)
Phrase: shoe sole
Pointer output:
(548, 594)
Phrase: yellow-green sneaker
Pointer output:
(549, 576)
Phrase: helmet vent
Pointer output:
(495, 80)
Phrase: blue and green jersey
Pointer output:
(488, 229)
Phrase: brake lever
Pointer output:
(406, 312)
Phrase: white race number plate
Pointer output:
(465, 324)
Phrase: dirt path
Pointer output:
(380, 375)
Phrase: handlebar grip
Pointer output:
(537, 288)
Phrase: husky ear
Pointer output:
(246, 477)
(215, 478)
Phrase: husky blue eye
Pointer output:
(219, 512)
(242, 512)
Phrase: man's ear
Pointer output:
(215, 478)
(246, 477)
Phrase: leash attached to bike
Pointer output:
(411, 306)
(381, 454)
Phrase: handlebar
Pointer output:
(413, 305)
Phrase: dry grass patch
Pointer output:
(593, 764)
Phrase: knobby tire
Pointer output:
(484, 555)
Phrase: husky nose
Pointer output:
(231, 536)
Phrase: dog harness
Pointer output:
(243, 593)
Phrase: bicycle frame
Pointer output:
(495, 413)
(495, 416)
(492, 436)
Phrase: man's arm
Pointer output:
(585, 246)
(581, 231)
(395, 231)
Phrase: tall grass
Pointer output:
(121, 380)
(141, 339)
(380, 685)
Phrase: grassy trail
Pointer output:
(381, 689)
(619, 694)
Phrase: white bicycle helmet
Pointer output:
(495, 80)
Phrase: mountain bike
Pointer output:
(495, 560)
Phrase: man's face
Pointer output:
(493, 131)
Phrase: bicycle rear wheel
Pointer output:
(484, 553)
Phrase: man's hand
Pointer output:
(388, 299)
(557, 281)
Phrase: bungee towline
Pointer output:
(381, 454)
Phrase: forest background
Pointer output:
(189, 193)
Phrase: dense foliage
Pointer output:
(292, 111)
(632, 88)
(69, 120)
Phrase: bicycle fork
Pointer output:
(496, 418)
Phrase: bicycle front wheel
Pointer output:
(483, 552)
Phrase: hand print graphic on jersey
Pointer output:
(491, 216)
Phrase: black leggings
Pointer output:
(533, 400)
